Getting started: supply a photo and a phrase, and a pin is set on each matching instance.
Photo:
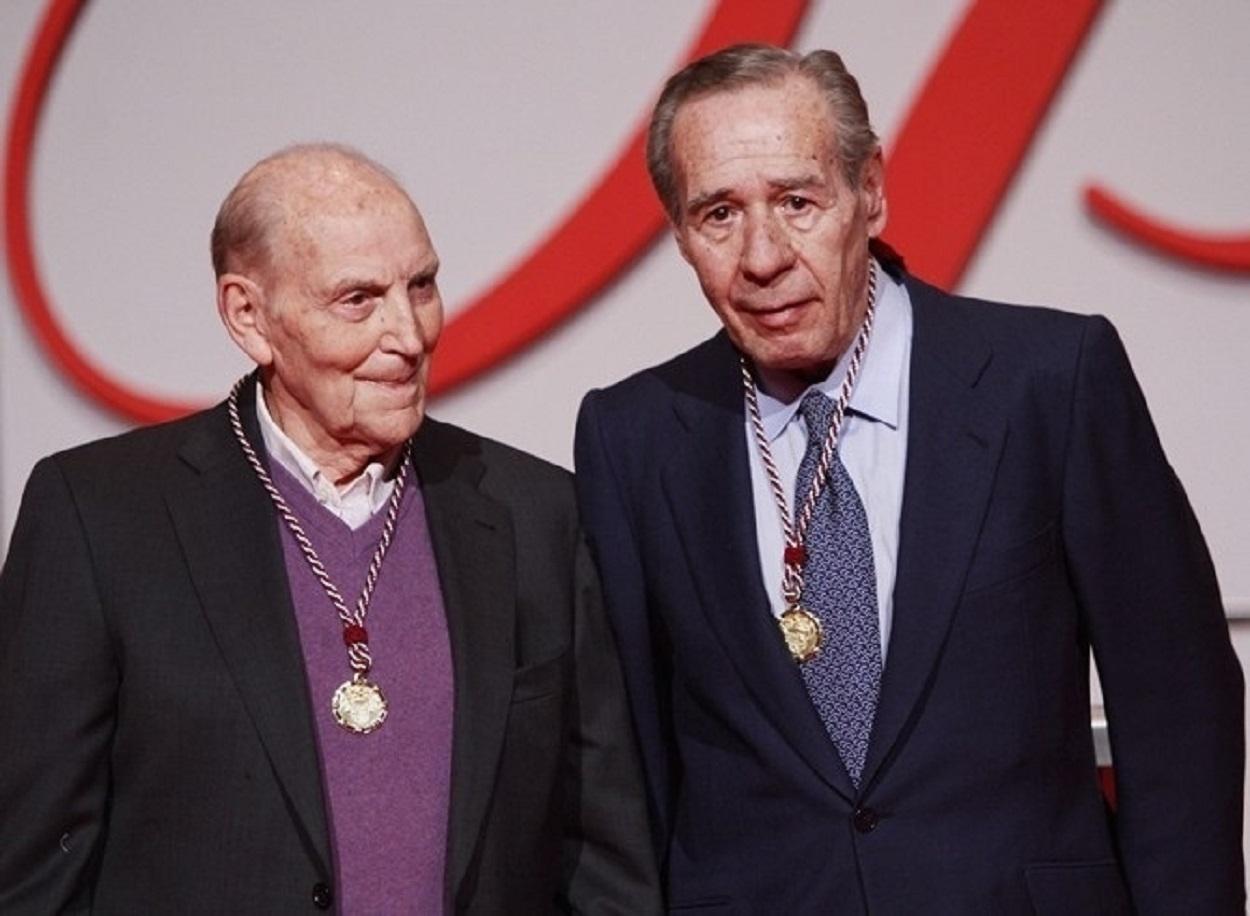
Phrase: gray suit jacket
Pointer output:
(158, 749)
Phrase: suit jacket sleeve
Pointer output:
(608, 863)
(1171, 682)
(58, 684)
(613, 544)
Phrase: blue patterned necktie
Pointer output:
(839, 588)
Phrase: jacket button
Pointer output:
(322, 896)
(865, 820)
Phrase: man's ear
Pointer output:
(872, 193)
(241, 305)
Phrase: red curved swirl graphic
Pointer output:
(969, 128)
(614, 223)
(90, 378)
(1200, 249)
(959, 147)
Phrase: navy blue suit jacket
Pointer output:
(1040, 520)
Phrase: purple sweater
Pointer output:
(386, 793)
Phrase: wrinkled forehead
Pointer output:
(775, 133)
(366, 202)
(787, 113)
(335, 185)
(335, 207)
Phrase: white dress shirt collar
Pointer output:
(354, 503)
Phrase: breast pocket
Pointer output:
(998, 564)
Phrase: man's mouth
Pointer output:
(777, 317)
(396, 381)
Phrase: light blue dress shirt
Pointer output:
(873, 447)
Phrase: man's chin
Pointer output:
(393, 428)
(788, 360)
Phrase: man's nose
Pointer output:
(766, 249)
(403, 332)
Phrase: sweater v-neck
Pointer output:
(326, 530)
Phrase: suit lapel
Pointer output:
(708, 487)
(226, 527)
(473, 546)
(955, 436)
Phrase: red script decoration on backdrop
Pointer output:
(1191, 246)
(959, 147)
(604, 234)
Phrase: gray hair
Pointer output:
(744, 65)
(242, 235)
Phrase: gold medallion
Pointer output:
(801, 630)
(359, 705)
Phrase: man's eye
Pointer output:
(796, 204)
(422, 289)
(718, 214)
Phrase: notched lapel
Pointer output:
(227, 530)
(472, 536)
(707, 485)
(956, 431)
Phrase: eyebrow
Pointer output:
(809, 180)
(372, 284)
(425, 272)
(350, 283)
(703, 200)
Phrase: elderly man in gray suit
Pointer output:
(310, 649)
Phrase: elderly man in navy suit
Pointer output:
(858, 547)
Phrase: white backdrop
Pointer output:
(498, 116)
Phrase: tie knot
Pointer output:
(817, 411)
